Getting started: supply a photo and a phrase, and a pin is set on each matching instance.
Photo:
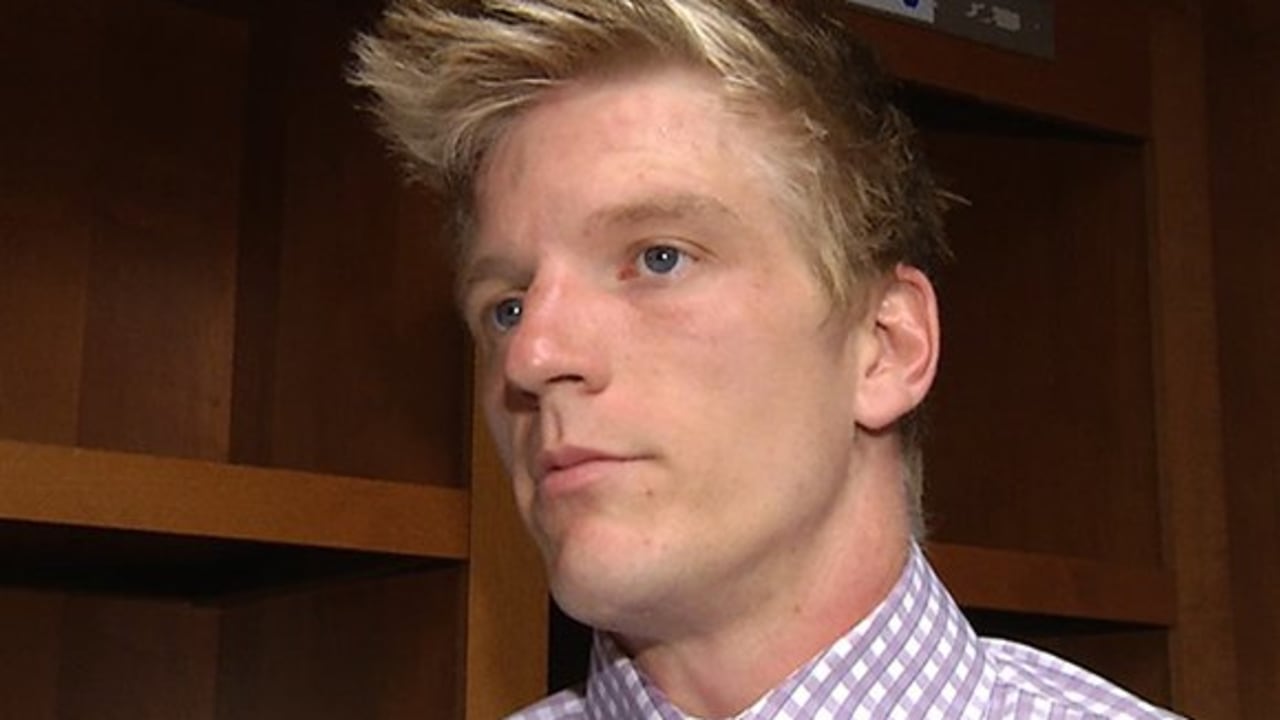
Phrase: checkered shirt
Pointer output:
(914, 656)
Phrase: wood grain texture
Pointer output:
(1189, 421)
(42, 309)
(46, 225)
(157, 347)
(369, 359)
(1243, 69)
(69, 486)
(506, 594)
(378, 649)
(134, 659)
(1098, 76)
(1031, 583)
(141, 267)
(31, 624)
(1250, 22)
(1041, 418)
(258, 251)
(84, 657)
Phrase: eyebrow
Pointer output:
(671, 207)
(473, 270)
(676, 206)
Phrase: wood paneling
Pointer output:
(258, 254)
(85, 657)
(380, 649)
(206, 254)
(132, 659)
(1250, 23)
(1043, 405)
(42, 293)
(372, 649)
(369, 357)
(157, 361)
(1020, 582)
(1188, 417)
(1244, 123)
(45, 226)
(31, 624)
(120, 188)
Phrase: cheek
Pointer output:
(751, 374)
(498, 417)
(506, 440)
(506, 430)
(735, 338)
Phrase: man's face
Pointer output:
(662, 372)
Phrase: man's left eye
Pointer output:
(661, 259)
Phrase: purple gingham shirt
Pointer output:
(914, 656)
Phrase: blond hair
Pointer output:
(448, 78)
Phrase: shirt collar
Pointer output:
(915, 652)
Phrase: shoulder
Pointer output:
(1034, 684)
(564, 705)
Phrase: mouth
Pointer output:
(567, 468)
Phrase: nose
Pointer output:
(561, 339)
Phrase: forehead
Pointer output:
(665, 133)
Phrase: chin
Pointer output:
(594, 601)
(601, 583)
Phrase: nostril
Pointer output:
(567, 378)
(517, 399)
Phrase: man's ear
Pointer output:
(899, 341)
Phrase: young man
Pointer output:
(694, 237)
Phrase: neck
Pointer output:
(831, 586)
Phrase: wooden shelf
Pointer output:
(1039, 584)
(63, 486)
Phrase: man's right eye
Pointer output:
(506, 314)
